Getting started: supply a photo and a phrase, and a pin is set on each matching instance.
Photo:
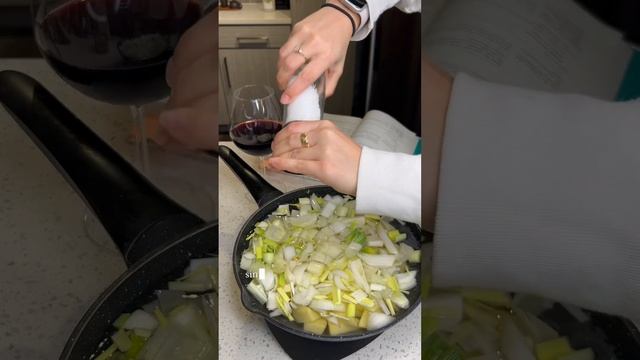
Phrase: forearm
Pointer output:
(354, 15)
(389, 184)
(436, 90)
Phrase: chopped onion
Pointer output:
(328, 209)
(407, 280)
(269, 280)
(381, 260)
(319, 254)
(258, 292)
(289, 253)
(141, 319)
(271, 301)
(378, 320)
(303, 220)
(322, 305)
(246, 261)
(382, 233)
(305, 297)
(400, 300)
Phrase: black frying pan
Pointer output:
(156, 236)
(298, 343)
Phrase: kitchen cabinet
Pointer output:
(261, 62)
(248, 54)
(241, 67)
(300, 9)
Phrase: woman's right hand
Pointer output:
(323, 37)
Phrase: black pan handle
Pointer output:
(260, 189)
(137, 215)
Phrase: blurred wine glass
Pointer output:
(114, 51)
(255, 119)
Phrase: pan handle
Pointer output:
(260, 189)
(137, 215)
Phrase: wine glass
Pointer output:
(115, 51)
(255, 120)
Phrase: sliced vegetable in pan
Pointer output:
(478, 324)
(181, 324)
(318, 263)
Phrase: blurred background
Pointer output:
(16, 34)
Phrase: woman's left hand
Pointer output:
(331, 156)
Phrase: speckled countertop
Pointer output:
(50, 272)
(244, 335)
(254, 14)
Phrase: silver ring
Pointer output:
(299, 51)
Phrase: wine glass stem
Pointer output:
(142, 148)
(262, 165)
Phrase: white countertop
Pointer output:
(254, 14)
(49, 270)
(244, 335)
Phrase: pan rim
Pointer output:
(293, 331)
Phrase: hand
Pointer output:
(190, 118)
(332, 157)
(324, 38)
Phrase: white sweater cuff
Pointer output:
(375, 8)
(389, 184)
(538, 193)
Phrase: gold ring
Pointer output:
(304, 140)
(299, 51)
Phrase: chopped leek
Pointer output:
(318, 255)
(189, 328)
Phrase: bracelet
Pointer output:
(346, 13)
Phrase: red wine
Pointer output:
(115, 50)
(255, 136)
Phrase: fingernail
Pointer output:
(285, 99)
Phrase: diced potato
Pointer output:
(553, 349)
(353, 322)
(304, 314)
(343, 317)
(316, 327)
(341, 328)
